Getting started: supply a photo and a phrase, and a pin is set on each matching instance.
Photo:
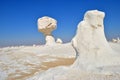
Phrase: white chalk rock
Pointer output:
(59, 41)
(50, 40)
(93, 52)
(116, 40)
(90, 43)
(46, 25)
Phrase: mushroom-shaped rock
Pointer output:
(90, 43)
(46, 25)
(59, 41)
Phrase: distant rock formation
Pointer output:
(46, 25)
(116, 40)
(90, 43)
(59, 41)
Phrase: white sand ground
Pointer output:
(115, 46)
(22, 62)
(18, 62)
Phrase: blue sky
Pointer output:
(18, 19)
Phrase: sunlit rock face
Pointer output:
(46, 25)
(90, 43)
(116, 40)
(59, 41)
(95, 60)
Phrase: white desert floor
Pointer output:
(24, 61)
(28, 62)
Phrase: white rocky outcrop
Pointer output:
(94, 55)
(59, 41)
(91, 45)
(116, 40)
(46, 25)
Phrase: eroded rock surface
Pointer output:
(46, 25)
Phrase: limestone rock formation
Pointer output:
(95, 58)
(90, 43)
(46, 25)
(116, 40)
(59, 41)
